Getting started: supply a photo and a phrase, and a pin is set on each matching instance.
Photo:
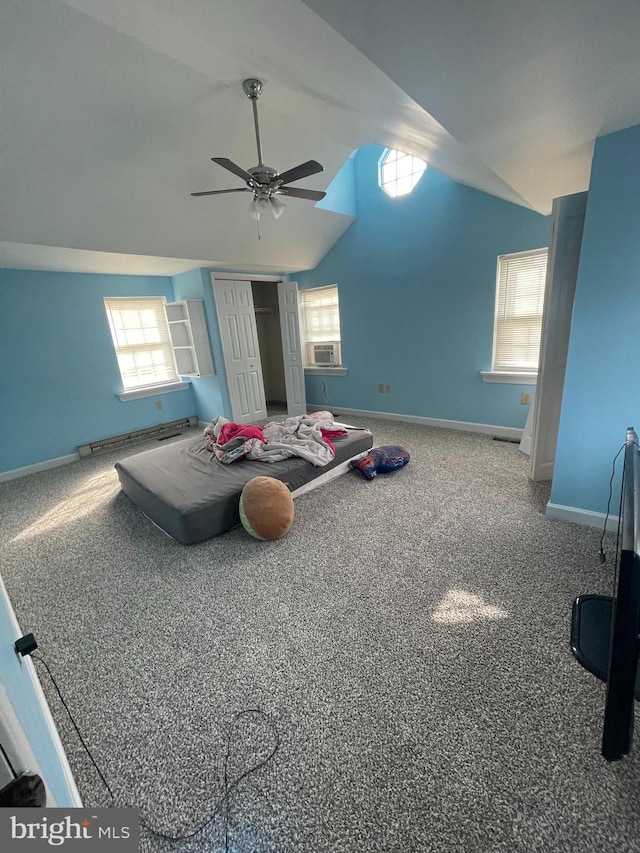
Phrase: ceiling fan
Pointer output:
(264, 182)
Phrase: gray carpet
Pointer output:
(408, 638)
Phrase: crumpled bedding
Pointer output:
(302, 435)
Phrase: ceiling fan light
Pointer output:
(277, 207)
(259, 204)
(254, 210)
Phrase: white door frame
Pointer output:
(562, 271)
(274, 279)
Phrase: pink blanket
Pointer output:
(233, 430)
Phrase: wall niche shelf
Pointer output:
(190, 338)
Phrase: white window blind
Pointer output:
(141, 340)
(320, 314)
(519, 305)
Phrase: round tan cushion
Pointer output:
(266, 508)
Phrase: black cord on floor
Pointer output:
(228, 788)
(8, 762)
(603, 556)
(75, 726)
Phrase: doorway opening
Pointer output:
(252, 360)
(267, 313)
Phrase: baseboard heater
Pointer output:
(115, 441)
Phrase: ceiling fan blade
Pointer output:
(219, 192)
(311, 167)
(232, 167)
(294, 192)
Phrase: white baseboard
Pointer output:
(466, 426)
(585, 517)
(39, 466)
(487, 429)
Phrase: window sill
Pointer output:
(138, 393)
(509, 378)
(327, 371)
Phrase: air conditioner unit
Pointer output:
(324, 355)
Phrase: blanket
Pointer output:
(309, 438)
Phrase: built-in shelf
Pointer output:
(190, 338)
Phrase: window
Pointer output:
(320, 325)
(398, 173)
(518, 318)
(141, 340)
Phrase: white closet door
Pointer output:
(236, 318)
(292, 348)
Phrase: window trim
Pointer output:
(520, 374)
(509, 378)
(153, 390)
(325, 371)
(149, 389)
(304, 334)
(381, 162)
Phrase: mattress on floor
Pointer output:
(192, 496)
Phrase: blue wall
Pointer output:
(417, 281)
(417, 286)
(60, 376)
(341, 192)
(602, 391)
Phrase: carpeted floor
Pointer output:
(408, 638)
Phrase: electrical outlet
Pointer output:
(387, 389)
(381, 388)
(159, 405)
(525, 398)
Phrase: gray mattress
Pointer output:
(192, 496)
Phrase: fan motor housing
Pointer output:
(263, 174)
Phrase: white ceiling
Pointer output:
(112, 110)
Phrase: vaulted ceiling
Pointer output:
(110, 112)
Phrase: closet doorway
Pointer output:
(267, 314)
(260, 335)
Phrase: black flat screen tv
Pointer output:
(625, 622)
(604, 631)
